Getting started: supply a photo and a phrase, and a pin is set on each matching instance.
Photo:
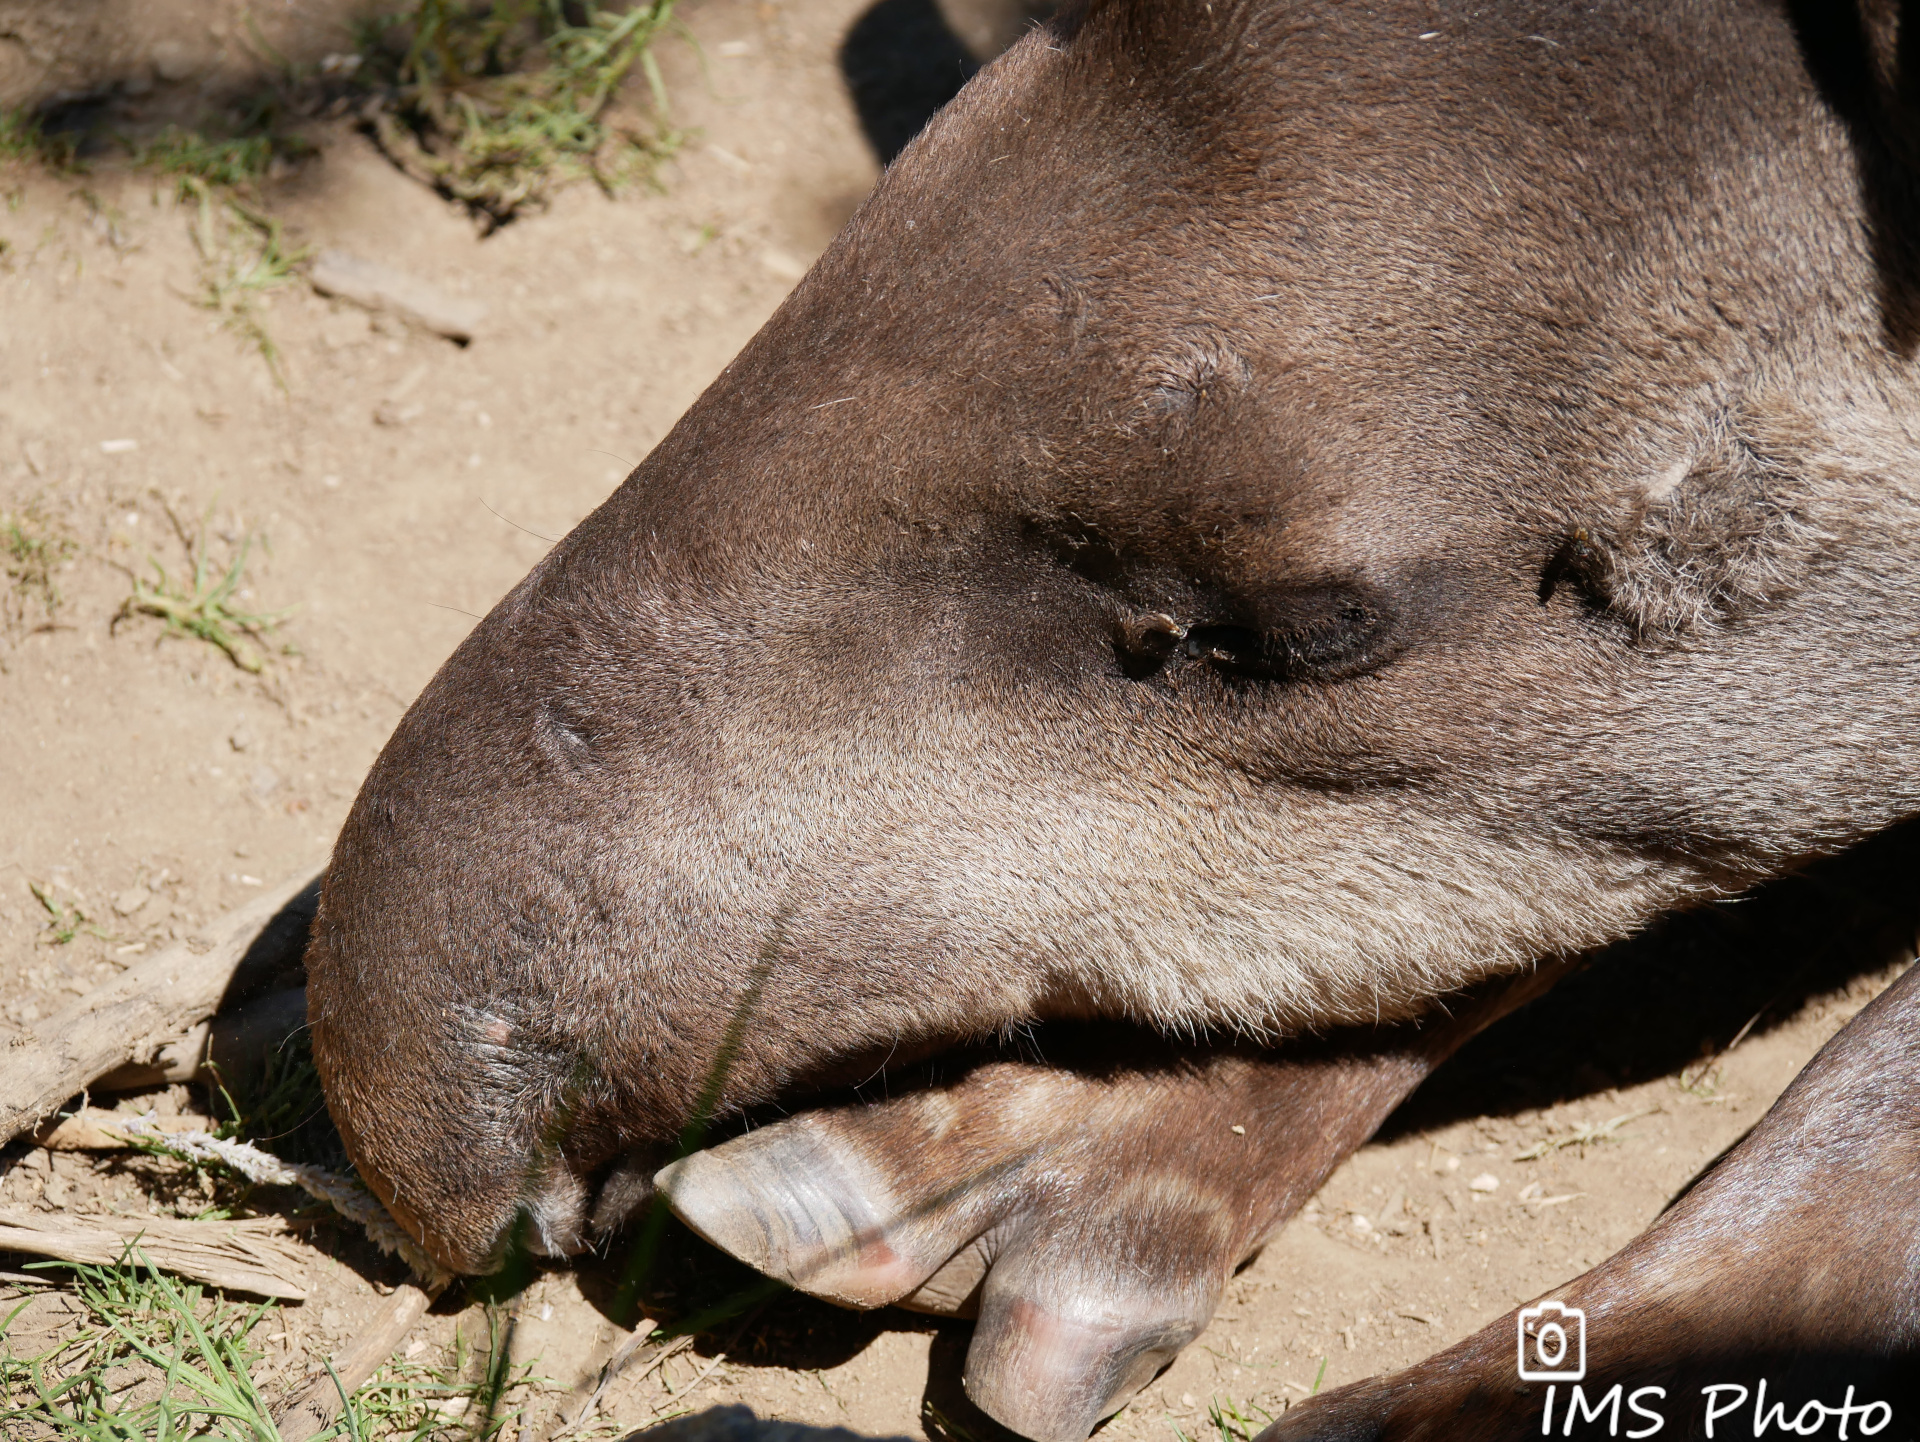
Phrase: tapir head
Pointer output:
(1267, 514)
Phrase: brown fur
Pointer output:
(1262, 519)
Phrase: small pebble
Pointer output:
(1485, 1182)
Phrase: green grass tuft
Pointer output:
(192, 156)
(243, 254)
(202, 606)
(280, 1106)
(1231, 1421)
(498, 105)
(24, 137)
(153, 1358)
(33, 549)
(65, 919)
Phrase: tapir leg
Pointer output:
(1090, 1209)
(1794, 1263)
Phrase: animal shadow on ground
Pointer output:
(902, 62)
(1687, 988)
(904, 59)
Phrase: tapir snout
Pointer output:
(1265, 516)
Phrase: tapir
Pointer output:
(1276, 520)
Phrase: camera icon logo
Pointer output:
(1553, 1343)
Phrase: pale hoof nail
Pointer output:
(1053, 1374)
(954, 1290)
(798, 1209)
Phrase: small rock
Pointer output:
(131, 900)
(1485, 1182)
(381, 288)
(172, 62)
(349, 327)
(241, 739)
(782, 266)
(389, 413)
(1361, 1224)
(332, 1318)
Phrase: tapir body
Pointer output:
(1269, 515)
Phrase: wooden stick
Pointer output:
(131, 1017)
(310, 1410)
(234, 1043)
(254, 1256)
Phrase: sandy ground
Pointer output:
(400, 484)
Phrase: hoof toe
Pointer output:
(1054, 1355)
(799, 1209)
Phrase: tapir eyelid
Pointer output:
(1346, 640)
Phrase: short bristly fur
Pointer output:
(1268, 514)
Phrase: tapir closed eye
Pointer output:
(1270, 513)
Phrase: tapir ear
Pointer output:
(1733, 529)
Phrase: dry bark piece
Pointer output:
(257, 1255)
(309, 1411)
(95, 1129)
(379, 287)
(232, 1043)
(132, 1017)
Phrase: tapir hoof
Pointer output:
(798, 1206)
(1062, 1340)
(1088, 1215)
(926, 1202)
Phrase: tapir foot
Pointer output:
(1780, 1295)
(1088, 1212)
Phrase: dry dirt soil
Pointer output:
(400, 484)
